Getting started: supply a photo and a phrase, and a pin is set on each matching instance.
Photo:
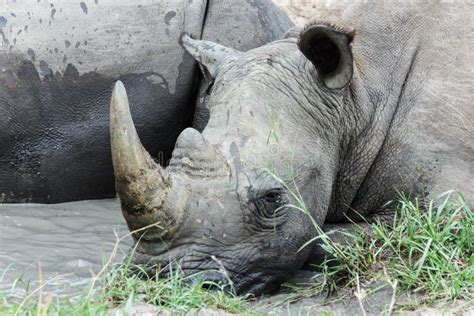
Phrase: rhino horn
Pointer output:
(142, 184)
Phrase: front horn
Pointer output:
(142, 184)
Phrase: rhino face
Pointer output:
(233, 200)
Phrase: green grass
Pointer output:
(425, 250)
(173, 292)
(119, 286)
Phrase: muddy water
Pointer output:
(68, 241)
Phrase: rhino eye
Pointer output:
(272, 196)
(269, 205)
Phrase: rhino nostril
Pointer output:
(214, 280)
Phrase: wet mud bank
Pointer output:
(61, 244)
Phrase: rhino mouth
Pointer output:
(258, 283)
(239, 283)
(228, 270)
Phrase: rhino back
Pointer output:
(436, 122)
(417, 64)
(244, 24)
(59, 61)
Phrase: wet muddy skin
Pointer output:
(70, 240)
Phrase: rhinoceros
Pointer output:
(59, 61)
(330, 123)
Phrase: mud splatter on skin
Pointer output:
(84, 7)
(31, 53)
(5, 40)
(3, 22)
(169, 16)
(44, 69)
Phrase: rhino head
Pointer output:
(234, 197)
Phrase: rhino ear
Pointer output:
(328, 47)
(209, 55)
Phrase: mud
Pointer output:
(61, 245)
(375, 299)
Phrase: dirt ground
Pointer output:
(374, 299)
(343, 303)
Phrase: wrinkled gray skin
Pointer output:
(343, 114)
(59, 61)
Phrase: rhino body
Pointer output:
(59, 61)
(328, 123)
